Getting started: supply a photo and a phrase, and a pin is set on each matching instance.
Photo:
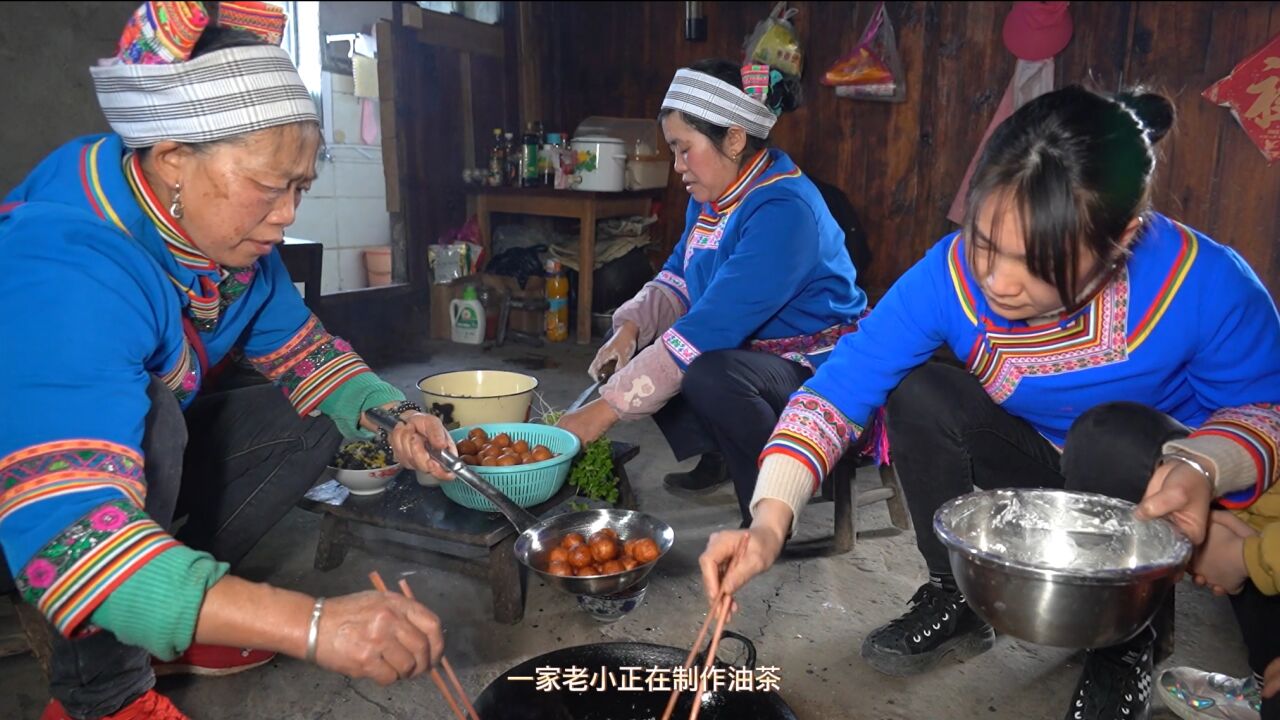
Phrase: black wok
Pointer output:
(506, 699)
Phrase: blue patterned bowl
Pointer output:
(614, 607)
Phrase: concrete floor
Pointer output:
(806, 617)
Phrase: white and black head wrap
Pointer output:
(709, 98)
(153, 90)
(225, 93)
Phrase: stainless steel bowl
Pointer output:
(534, 544)
(1060, 568)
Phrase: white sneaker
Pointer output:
(1199, 695)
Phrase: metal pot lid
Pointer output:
(601, 139)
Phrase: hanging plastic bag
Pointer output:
(873, 71)
(774, 42)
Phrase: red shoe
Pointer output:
(150, 706)
(213, 660)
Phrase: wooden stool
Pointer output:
(848, 499)
(840, 488)
(504, 319)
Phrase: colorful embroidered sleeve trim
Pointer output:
(1168, 289)
(1256, 428)
(955, 267)
(683, 351)
(182, 379)
(676, 283)
(310, 366)
(68, 467)
(812, 431)
(71, 575)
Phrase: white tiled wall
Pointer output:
(346, 209)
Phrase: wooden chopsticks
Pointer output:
(720, 612)
(381, 586)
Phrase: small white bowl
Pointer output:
(426, 479)
(366, 482)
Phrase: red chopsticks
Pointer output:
(380, 586)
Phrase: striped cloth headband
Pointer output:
(151, 91)
(719, 103)
(228, 92)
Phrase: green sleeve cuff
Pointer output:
(157, 607)
(345, 404)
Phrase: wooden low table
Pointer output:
(587, 207)
(419, 524)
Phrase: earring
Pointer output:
(175, 205)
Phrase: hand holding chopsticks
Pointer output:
(769, 528)
(381, 586)
(719, 613)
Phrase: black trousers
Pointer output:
(729, 403)
(948, 437)
(233, 465)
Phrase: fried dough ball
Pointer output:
(603, 549)
(580, 556)
(646, 551)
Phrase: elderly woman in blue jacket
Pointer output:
(139, 265)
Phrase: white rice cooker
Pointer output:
(601, 163)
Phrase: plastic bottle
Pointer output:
(497, 159)
(468, 318)
(557, 303)
(512, 177)
(492, 309)
(549, 160)
(529, 157)
(568, 164)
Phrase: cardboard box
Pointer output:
(441, 295)
(532, 322)
(526, 321)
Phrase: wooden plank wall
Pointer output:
(901, 163)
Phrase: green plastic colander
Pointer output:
(526, 485)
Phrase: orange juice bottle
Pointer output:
(557, 302)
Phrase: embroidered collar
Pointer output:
(175, 238)
(207, 297)
(739, 188)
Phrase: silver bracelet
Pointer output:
(313, 631)
(1186, 460)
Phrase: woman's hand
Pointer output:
(1219, 564)
(381, 636)
(589, 421)
(1182, 493)
(410, 439)
(1271, 680)
(767, 534)
(619, 349)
